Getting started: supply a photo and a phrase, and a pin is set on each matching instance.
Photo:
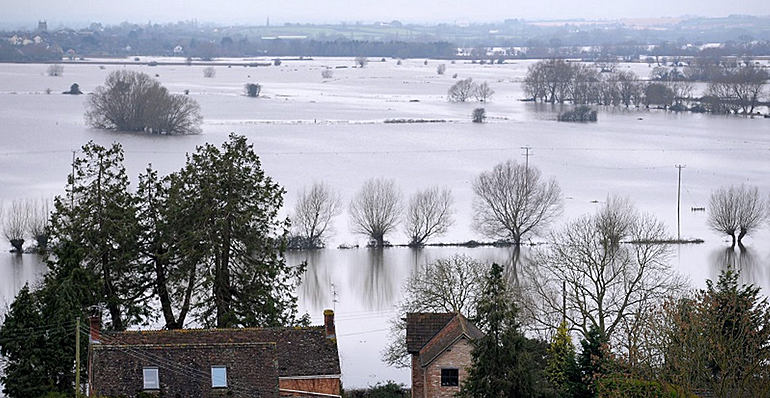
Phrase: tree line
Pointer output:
(731, 89)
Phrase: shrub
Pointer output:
(277, 62)
(479, 114)
(440, 69)
(327, 73)
(48, 90)
(209, 72)
(252, 89)
(398, 62)
(55, 70)
(74, 90)
(579, 114)
(361, 61)
(133, 101)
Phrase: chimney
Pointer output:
(96, 326)
(329, 324)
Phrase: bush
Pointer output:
(621, 386)
(389, 389)
(209, 72)
(252, 89)
(277, 62)
(74, 90)
(361, 61)
(580, 114)
(55, 70)
(133, 101)
(479, 114)
(440, 69)
(327, 73)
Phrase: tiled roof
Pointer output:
(458, 327)
(422, 326)
(301, 351)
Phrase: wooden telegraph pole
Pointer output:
(678, 203)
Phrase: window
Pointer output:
(450, 377)
(218, 376)
(151, 380)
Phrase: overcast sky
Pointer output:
(26, 13)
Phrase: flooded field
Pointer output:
(307, 128)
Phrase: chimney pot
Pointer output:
(329, 324)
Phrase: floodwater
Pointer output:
(307, 128)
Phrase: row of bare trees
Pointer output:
(26, 218)
(512, 201)
(375, 211)
(558, 81)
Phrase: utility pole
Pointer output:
(77, 358)
(72, 186)
(678, 203)
(526, 157)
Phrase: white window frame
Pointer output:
(152, 372)
(217, 381)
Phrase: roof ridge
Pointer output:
(212, 330)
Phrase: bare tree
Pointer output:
(327, 73)
(445, 285)
(737, 210)
(376, 209)
(313, 214)
(361, 61)
(15, 224)
(512, 201)
(209, 72)
(55, 70)
(462, 90)
(479, 115)
(133, 101)
(252, 89)
(39, 217)
(440, 69)
(429, 214)
(483, 92)
(602, 271)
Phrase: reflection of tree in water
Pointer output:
(518, 259)
(373, 281)
(316, 287)
(742, 259)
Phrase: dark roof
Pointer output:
(301, 351)
(422, 326)
(457, 328)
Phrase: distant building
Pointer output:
(247, 362)
(440, 345)
(42, 25)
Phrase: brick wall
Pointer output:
(457, 357)
(185, 370)
(321, 385)
(418, 378)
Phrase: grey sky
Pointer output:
(19, 13)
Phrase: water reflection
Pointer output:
(373, 281)
(15, 271)
(317, 287)
(741, 258)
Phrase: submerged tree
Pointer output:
(376, 209)
(39, 217)
(15, 224)
(133, 101)
(737, 210)
(314, 211)
(429, 214)
(512, 201)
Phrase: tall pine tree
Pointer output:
(502, 365)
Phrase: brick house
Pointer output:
(247, 362)
(440, 345)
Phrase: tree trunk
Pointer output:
(732, 235)
(163, 296)
(740, 237)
